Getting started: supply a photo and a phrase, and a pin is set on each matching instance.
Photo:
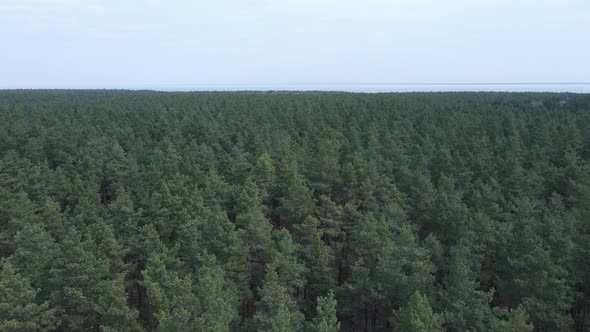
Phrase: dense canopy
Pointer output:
(153, 211)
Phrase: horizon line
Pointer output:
(375, 83)
(201, 85)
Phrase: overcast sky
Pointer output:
(137, 44)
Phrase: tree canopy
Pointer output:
(289, 211)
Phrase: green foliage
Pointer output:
(296, 201)
(115, 315)
(516, 321)
(417, 316)
(466, 306)
(74, 279)
(18, 309)
(263, 173)
(277, 309)
(170, 300)
(139, 210)
(317, 257)
(325, 319)
(217, 300)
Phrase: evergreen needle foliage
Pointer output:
(152, 211)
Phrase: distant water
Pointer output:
(391, 87)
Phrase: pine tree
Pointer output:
(35, 250)
(115, 314)
(277, 310)
(53, 219)
(465, 305)
(285, 261)
(263, 173)
(16, 211)
(318, 259)
(124, 217)
(257, 237)
(516, 321)
(532, 277)
(171, 303)
(325, 319)
(417, 316)
(74, 279)
(218, 300)
(296, 201)
(18, 310)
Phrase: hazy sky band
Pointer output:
(121, 44)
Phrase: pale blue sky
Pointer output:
(150, 44)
